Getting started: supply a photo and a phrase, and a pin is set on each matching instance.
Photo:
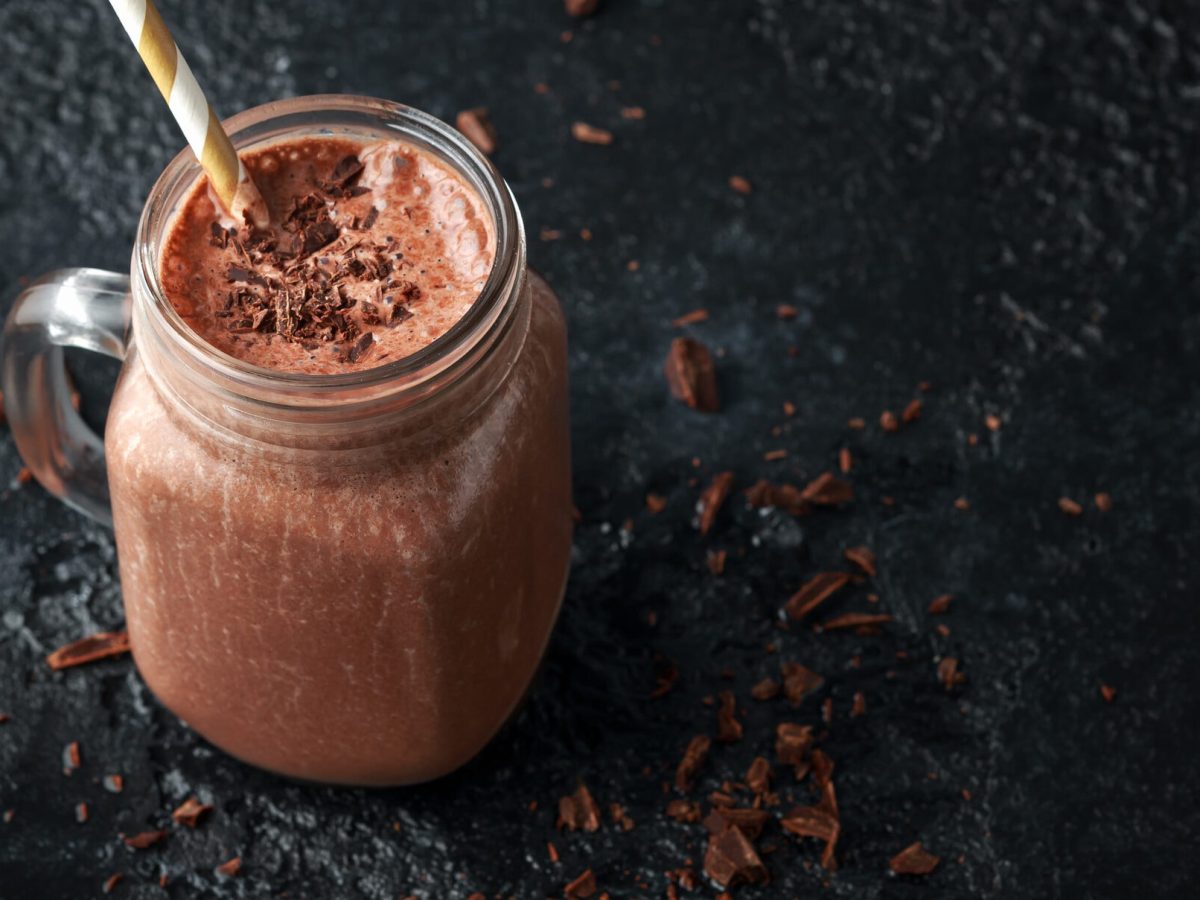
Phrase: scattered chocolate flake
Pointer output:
(189, 812)
(550, 234)
(24, 475)
(973, 439)
(911, 413)
(962, 504)
(788, 497)
(992, 421)
(741, 185)
(888, 421)
(3, 416)
(948, 673)
(684, 811)
(478, 128)
(585, 234)
(589, 134)
(814, 592)
(789, 408)
(655, 503)
(578, 811)
(620, 817)
(691, 318)
(691, 375)
(1108, 692)
(583, 886)
(827, 490)
(633, 112)
(940, 605)
(822, 771)
(90, 649)
(774, 455)
(729, 729)
(854, 620)
(943, 630)
(859, 705)
(758, 776)
(552, 851)
(71, 758)
(715, 560)
(144, 840)
(749, 822)
(693, 759)
(767, 689)
(230, 867)
(1069, 506)
(793, 745)
(581, 8)
(664, 679)
(863, 558)
(827, 710)
(811, 821)
(114, 784)
(712, 499)
(111, 882)
(845, 461)
(81, 813)
(856, 424)
(914, 860)
(786, 311)
(1104, 502)
(633, 265)
(731, 859)
(799, 681)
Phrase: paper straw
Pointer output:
(208, 140)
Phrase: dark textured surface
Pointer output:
(1001, 200)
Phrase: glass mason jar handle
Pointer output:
(86, 308)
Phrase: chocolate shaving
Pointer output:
(583, 886)
(478, 128)
(691, 375)
(693, 759)
(729, 729)
(144, 840)
(854, 620)
(793, 745)
(758, 776)
(90, 649)
(827, 490)
(767, 689)
(589, 134)
(863, 558)
(1069, 506)
(799, 682)
(230, 867)
(731, 859)
(691, 318)
(578, 811)
(189, 812)
(948, 673)
(684, 811)
(814, 592)
(749, 822)
(914, 860)
(713, 498)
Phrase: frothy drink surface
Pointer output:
(375, 251)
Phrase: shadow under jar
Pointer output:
(347, 578)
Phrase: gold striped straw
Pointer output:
(208, 140)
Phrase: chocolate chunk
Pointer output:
(581, 8)
(811, 821)
(347, 170)
(914, 860)
(578, 811)
(478, 128)
(144, 840)
(793, 746)
(189, 812)
(767, 689)
(729, 729)
(589, 134)
(691, 375)
(360, 348)
(693, 759)
(863, 558)
(814, 592)
(712, 499)
(748, 821)
(90, 649)
(799, 682)
(758, 776)
(316, 236)
(731, 859)
(581, 887)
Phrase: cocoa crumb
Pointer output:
(691, 318)
(786, 312)
(1108, 692)
(793, 746)
(948, 673)
(655, 503)
(581, 8)
(636, 113)
(845, 461)
(767, 689)
(1069, 506)
(684, 811)
(189, 812)
(854, 620)
(749, 822)
(549, 234)
(789, 408)
(144, 840)
(620, 818)
(715, 559)
(552, 851)
(741, 185)
(863, 558)
(940, 605)
(911, 413)
(856, 423)
(589, 134)
(914, 860)
(111, 882)
(962, 504)
(1104, 502)
(888, 421)
(859, 705)
(664, 680)
(992, 421)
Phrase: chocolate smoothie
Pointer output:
(359, 602)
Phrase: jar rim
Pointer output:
(320, 114)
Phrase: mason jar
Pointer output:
(347, 578)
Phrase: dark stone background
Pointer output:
(998, 197)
